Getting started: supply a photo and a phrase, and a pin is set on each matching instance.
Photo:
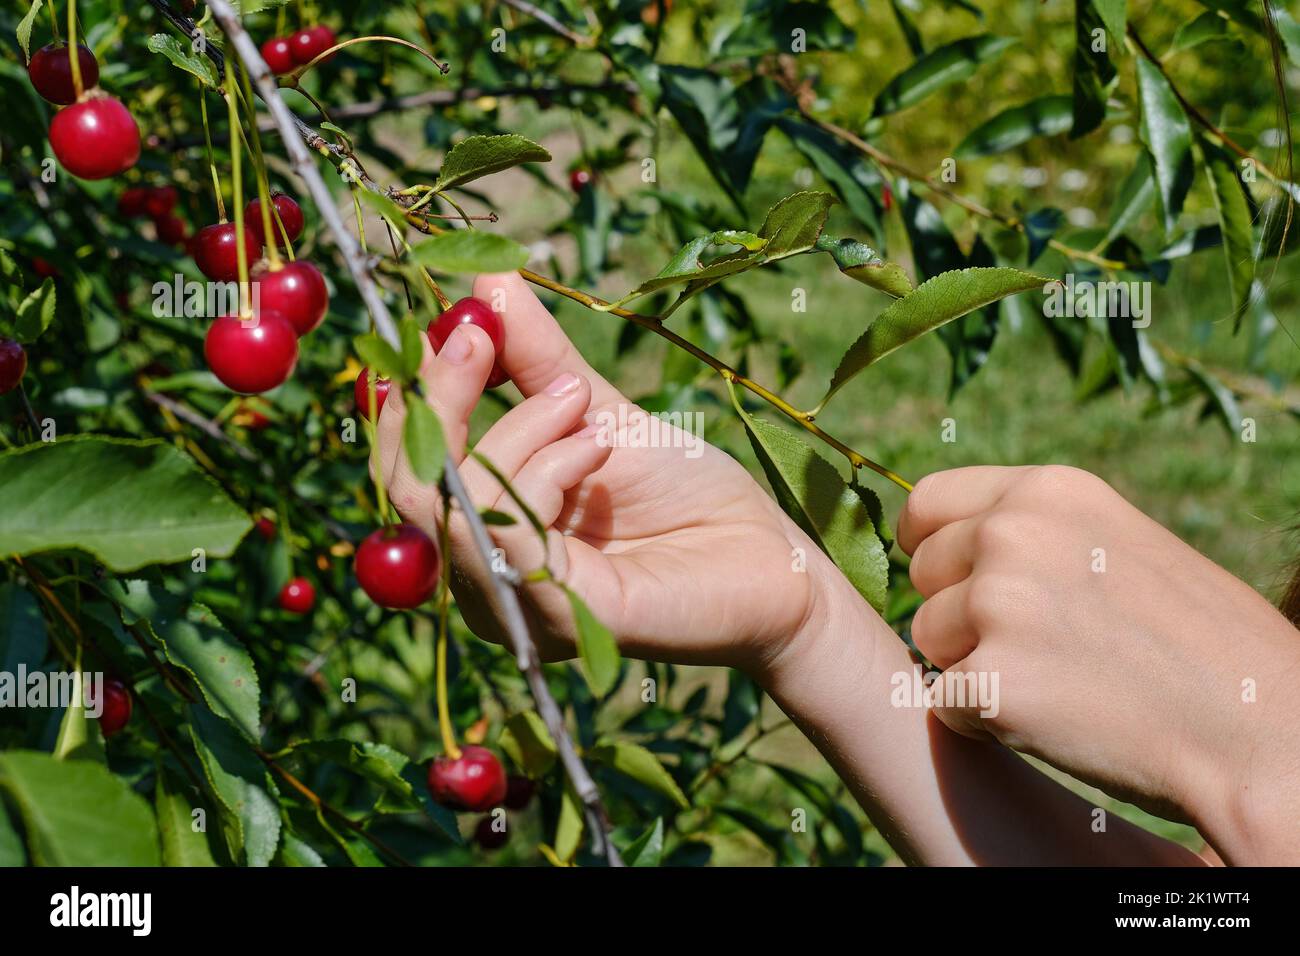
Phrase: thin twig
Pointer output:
(548, 21)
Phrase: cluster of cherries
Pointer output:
(158, 203)
(475, 781)
(285, 54)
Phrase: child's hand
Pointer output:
(1123, 655)
(683, 556)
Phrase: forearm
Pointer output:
(939, 798)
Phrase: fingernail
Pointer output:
(589, 432)
(563, 385)
(458, 347)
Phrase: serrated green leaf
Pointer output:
(1234, 224)
(1168, 137)
(426, 448)
(35, 313)
(478, 156)
(470, 250)
(183, 55)
(380, 357)
(25, 28)
(528, 743)
(181, 844)
(633, 760)
(687, 264)
(77, 813)
(597, 648)
(1045, 116)
(795, 223)
(129, 503)
(945, 65)
(648, 848)
(242, 784)
(947, 296)
(859, 261)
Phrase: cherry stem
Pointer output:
(444, 303)
(297, 74)
(264, 203)
(236, 175)
(212, 157)
(73, 58)
(54, 21)
(449, 746)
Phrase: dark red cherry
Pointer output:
(886, 197)
(251, 356)
(13, 365)
(44, 268)
(278, 54)
(171, 229)
(398, 567)
(96, 138)
(311, 43)
(131, 203)
(116, 707)
(519, 790)
(290, 214)
(217, 255)
(487, 836)
(579, 180)
(471, 311)
(473, 781)
(51, 72)
(298, 596)
(265, 527)
(297, 291)
(160, 201)
(361, 393)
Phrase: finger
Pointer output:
(947, 496)
(941, 628)
(536, 349)
(944, 558)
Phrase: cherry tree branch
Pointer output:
(548, 21)
(516, 625)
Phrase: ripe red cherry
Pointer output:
(160, 200)
(265, 527)
(116, 707)
(398, 567)
(297, 291)
(311, 43)
(887, 197)
(579, 180)
(51, 72)
(519, 790)
(278, 54)
(361, 393)
(96, 138)
(252, 356)
(13, 365)
(171, 229)
(131, 203)
(298, 596)
(489, 837)
(44, 268)
(473, 781)
(217, 255)
(471, 311)
(290, 214)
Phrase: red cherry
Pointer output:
(361, 393)
(131, 203)
(473, 312)
(265, 527)
(298, 596)
(489, 837)
(278, 54)
(96, 138)
(579, 180)
(217, 255)
(398, 567)
(44, 268)
(160, 201)
(51, 72)
(117, 707)
(519, 790)
(297, 291)
(13, 364)
(252, 356)
(171, 229)
(473, 781)
(311, 43)
(290, 214)
(887, 197)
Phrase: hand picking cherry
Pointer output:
(361, 393)
(471, 311)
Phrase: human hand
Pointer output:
(683, 556)
(1123, 656)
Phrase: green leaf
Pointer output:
(1168, 137)
(1220, 400)
(242, 784)
(528, 743)
(383, 206)
(1112, 14)
(687, 265)
(859, 261)
(633, 760)
(12, 853)
(568, 829)
(601, 660)
(1045, 116)
(413, 339)
(79, 735)
(853, 179)
(1234, 223)
(477, 156)
(470, 250)
(181, 844)
(296, 852)
(953, 63)
(1136, 193)
(77, 813)
(648, 848)
(183, 55)
(35, 313)
(830, 810)
(23, 640)
(774, 31)
(947, 296)
(1208, 26)
(744, 699)
(25, 28)
(795, 223)
(1040, 226)
(426, 448)
(810, 490)
(129, 503)
(380, 357)
(1094, 75)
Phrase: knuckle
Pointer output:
(1062, 481)
(999, 531)
(987, 602)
